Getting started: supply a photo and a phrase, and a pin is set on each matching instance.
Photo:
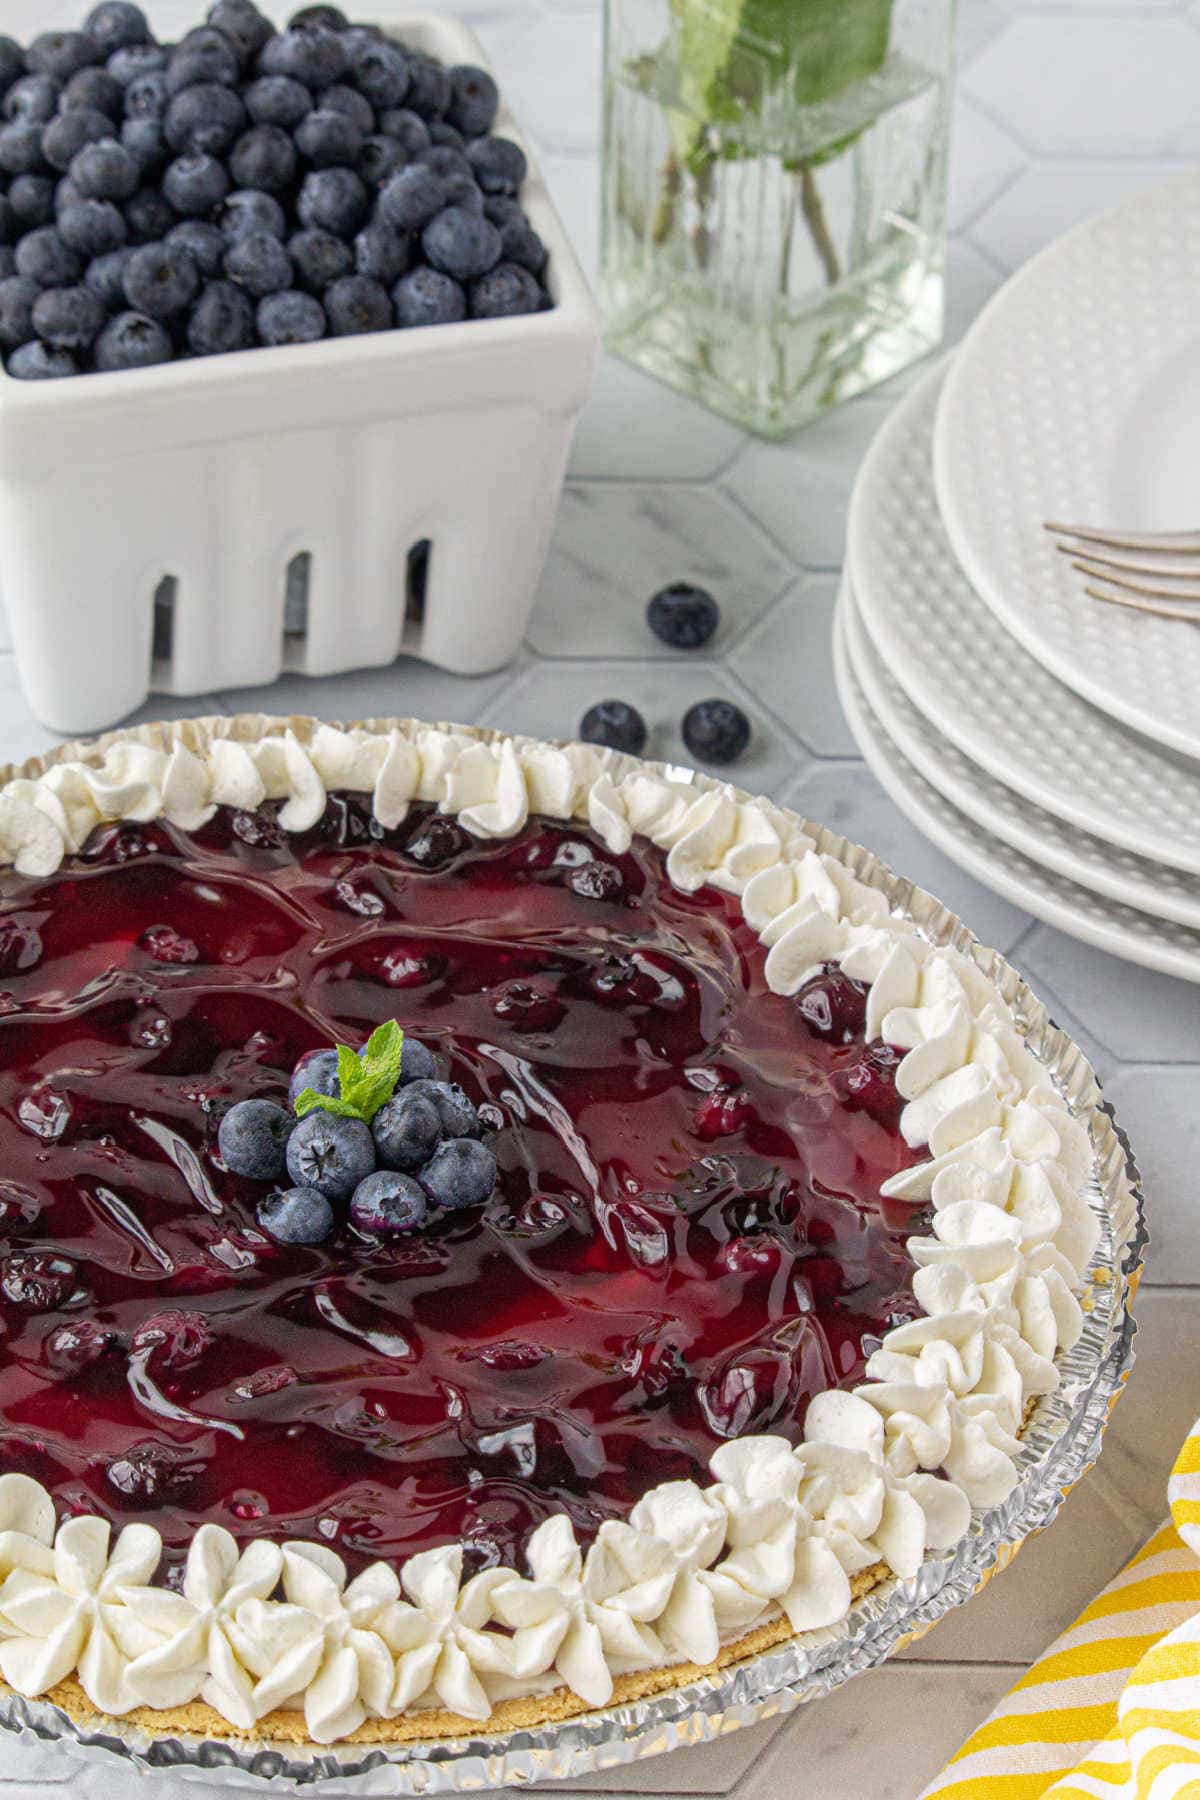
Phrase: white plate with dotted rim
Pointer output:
(1121, 930)
(975, 683)
(1149, 886)
(1076, 396)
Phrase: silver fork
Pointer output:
(1155, 572)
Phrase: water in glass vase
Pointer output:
(779, 259)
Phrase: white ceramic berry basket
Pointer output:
(215, 523)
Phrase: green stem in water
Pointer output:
(664, 218)
(704, 179)
(818, 225)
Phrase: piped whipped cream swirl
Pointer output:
(886, 1475)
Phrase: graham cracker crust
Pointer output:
(200, 1721)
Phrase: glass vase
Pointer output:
(774, 196)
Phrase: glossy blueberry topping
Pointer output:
(684, 1238)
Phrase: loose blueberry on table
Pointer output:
(716, 731)
(616, 725)
(246, 186)
(683, 615)
(601, 1202)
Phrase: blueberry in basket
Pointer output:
(371, 1140)
(139, 180)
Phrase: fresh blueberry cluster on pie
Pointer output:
(667, 1150)
(374, 1130)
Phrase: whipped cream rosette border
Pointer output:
(1019, 1306)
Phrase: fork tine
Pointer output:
(1112, 598)
(1165, 564)
(1179, 596)
(1187, 542)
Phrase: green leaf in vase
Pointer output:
(706, 33)
(738, 58)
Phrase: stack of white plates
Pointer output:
(1047, 742)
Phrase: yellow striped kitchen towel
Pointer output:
(1112, 1710)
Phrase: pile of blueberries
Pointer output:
(422, 1149)
(246, 186)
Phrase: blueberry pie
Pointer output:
(486, 1229)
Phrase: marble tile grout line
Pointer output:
(731, 494)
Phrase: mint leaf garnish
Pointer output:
(310, 1101)
(367, 1079)
(349, 1069)
(384, 1051)
(380, 1062)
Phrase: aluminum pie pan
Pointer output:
(1060, 1443)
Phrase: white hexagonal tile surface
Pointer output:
(616, 544)
(786, 661)
(1047, 198)
(1157, 1105)
(634, 429)
(405, 688)
(1117, 87)
(534, 57)
(1138, 1015)
(984, 159)
(800, 489)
